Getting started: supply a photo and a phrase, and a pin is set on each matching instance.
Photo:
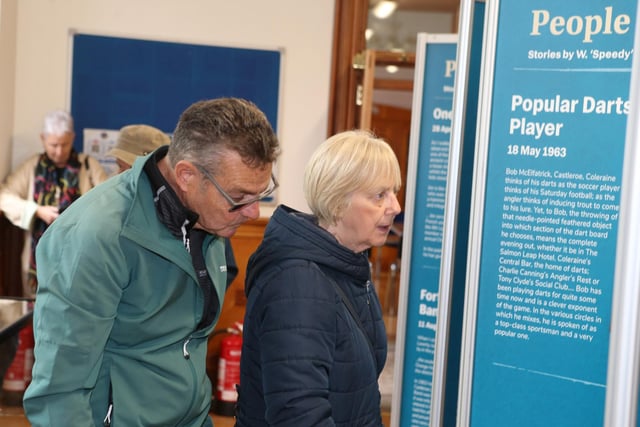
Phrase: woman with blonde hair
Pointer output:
(314, 339)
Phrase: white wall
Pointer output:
(7, 76)
(303, 29)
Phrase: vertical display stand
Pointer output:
(455, 234)
(426, 184)
(554, 102)
(624, 349)
(436, 224)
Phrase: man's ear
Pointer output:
(186, 174)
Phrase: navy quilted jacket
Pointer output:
(305, 361)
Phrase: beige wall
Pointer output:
(7, 77)
(303, 30)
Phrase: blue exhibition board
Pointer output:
(557, 114)
(422, 295)
(458, 242)
(119, 81)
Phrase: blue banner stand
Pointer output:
(554, 102)
(418, 293)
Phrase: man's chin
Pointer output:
(227, 232)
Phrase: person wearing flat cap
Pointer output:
(135, 141)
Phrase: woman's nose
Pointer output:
(395, 205)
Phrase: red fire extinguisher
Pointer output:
(18, 375)
(226, 394)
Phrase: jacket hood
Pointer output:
(291, 234)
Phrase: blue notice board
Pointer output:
(552, 124)
(119, 81)
(430, 138)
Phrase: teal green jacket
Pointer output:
(118, 305)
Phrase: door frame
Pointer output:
(350, 23)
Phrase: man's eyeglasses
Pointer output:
(235, 206)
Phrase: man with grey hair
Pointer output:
(133, 276)
(139, 140)
(34, 195)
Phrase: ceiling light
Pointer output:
(384, 9)
(392, 69)
(368, 33)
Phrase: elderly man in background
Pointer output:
(34, 195)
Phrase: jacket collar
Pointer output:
(171, 212)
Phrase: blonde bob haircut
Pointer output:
(347, 162)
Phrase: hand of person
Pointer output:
(47, 213)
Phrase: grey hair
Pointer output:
(57, 122)
(209, 128)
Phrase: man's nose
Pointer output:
(252, 210)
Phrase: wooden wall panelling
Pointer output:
(11, 243)
(393, 124)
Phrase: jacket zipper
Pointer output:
(368, 285)
(187, 355)
(185, 350)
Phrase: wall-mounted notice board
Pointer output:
(118, 81)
